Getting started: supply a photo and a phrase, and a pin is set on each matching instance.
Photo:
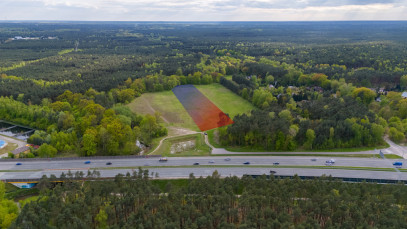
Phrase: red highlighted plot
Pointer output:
(205, 114)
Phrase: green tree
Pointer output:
(403, 81)
(310, 136)
(8, 209)
(46, 150)
(396, 135)
(366, 95)
(101, 218)
(89, 142)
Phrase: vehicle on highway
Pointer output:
(330, 162)
(227, 159)
(87, 162)
(196, 163)
(276, 163)
(313, 159)
(108, 163)
(398, 164)
(19, 163)
(272, 172)
(246, 163)
(146, 164)
(211, 161)
(163, 159)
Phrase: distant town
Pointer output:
(32, 38)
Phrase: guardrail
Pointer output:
(344, 179)
(79, 158)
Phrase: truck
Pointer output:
(163, 159)
(398, 163)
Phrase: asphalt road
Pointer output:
(7, 168)
(182, 161)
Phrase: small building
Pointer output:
(20, 150)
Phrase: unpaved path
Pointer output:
(153, 110)
(395, 149)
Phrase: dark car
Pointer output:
(205, 133)
(19, 163)
(246, 163)
(313, 159)
(87, 162)
(272, 172)
(276, 163)
(108, 163)
(227, 159)
(196, 163)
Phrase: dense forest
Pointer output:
(369, 54)
(135, 201)
(317, 85)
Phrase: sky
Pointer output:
(203, 10)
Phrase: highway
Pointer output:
(187, 161)
(176, 166)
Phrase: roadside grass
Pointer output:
(357, 149)
(10, 188)
(8, 148)
(20, 170)
(229, 102)
(312, 155)
(260, 166)
(390, 156)
(21, 193)
(200, 148)
(211, 138)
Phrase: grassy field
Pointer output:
(9, 147)
(225, 99)
(174, 114)
(171, 110)
(200, 148)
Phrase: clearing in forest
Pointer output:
(205, 114)
(174, 114)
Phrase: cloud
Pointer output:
(203, 10)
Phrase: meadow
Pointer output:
(174, 114)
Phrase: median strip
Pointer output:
(256, 166)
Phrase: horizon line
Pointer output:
(162, 21)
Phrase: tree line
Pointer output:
(134, 200)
